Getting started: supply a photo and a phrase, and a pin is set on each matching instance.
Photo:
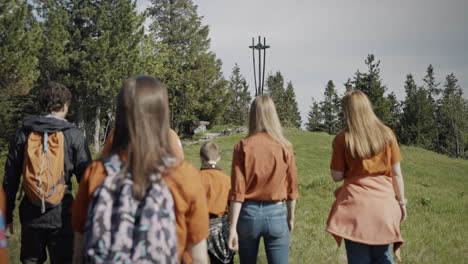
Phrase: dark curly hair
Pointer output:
(53, 97)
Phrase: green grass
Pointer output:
(436, 187)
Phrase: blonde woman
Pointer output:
(263, 187)
(371, 204)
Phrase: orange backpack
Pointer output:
(43, 169)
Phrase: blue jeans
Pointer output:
(366, 254)
(267, 220)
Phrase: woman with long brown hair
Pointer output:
(263, 187)
(371, 204)
(142, 145)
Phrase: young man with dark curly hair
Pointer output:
(43, 155)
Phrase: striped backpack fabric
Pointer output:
(120, 229)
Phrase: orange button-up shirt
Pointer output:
(217, 186)
(263, 170)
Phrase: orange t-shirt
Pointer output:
(263, 170)
(3, 239)
(380, 164)
(173, 137)
(191, 212)
(217, 186)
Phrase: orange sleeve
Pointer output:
(3, 255)
(237, 192)
(176, 144)
(92, 178)
(227, 185)
(197, 215)
(338, 162)
(291, 176)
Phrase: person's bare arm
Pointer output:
(337, 175)
(234, 211)
(399, 188)
(291, 206)
(198, 252)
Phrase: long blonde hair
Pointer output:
(366, 135)
(264, 118)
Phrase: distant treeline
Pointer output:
(432, 116)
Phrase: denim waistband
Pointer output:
(262, 203)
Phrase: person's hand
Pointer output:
(291, 224)
(403, 212)
(233, 241)
(9, 230)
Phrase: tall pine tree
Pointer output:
(432, 88)
(314, 117)
(19, 46)
(237, 109)
(330, 110)
(370, 83)
(90, 46)
(114, 55)
(453, 119)
(430, 83)
(395, 112)
(192, 73)
(417, 122)
(54, 53)
(292, 115)
(275, 88)
(285, 100)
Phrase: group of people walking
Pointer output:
(141, 202)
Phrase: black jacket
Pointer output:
(76, 156)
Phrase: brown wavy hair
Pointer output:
(53, 97)
(142, 130)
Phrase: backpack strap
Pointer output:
(46, 138)
(112, 164)
(44, 155)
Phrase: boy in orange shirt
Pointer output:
(217, 186)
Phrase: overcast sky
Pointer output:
(313, 41)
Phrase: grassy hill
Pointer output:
(436, 187)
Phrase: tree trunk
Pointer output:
(81, 120)
(97, 128)
(457, 145)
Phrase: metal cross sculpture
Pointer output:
(261, 74)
